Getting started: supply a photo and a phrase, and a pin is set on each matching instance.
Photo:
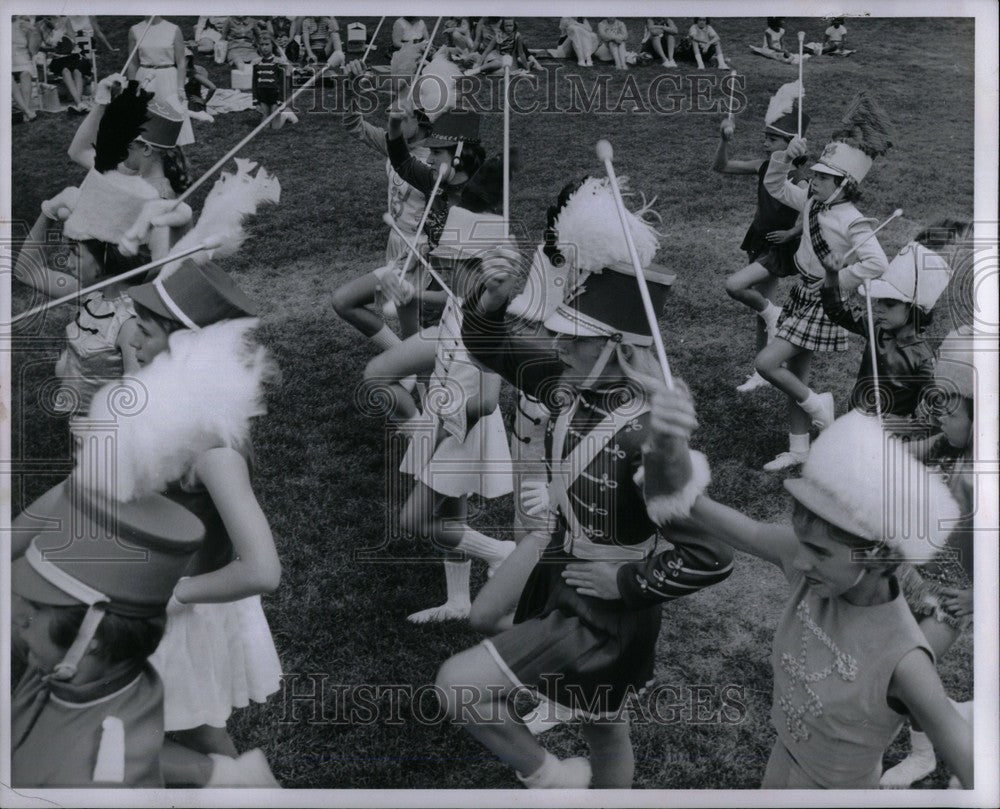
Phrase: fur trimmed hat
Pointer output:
(865, 481)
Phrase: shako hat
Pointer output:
(608, 304)
(196, 295)
(915, 275)
(865, 135)
(453, 127)
(110, 556)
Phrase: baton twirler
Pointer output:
(387, 218)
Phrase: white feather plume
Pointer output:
(199, 395)
(590, 231)
(782, 102)
(233, 198)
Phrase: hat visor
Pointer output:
(820, 503)
(28, 583)
(561, 324)
(823, 168)
(885, 290)
(146, 295)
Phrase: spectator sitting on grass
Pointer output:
(578, 39)
(658, 29)
(195, 79)
(408, 31)
(486, 30)
(458, 33)
(207, 32)
(508, 42)
(241, 36)
(774, 35)
(613, 35)
(285, 30)
(835, 37)
(58, 37)
(702, 42)
(321, 40)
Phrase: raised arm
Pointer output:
(776, 177)
(915, 683)
(723, 163)
(255, 568)
(771, 542)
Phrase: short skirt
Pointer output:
(803, 322)
(213, 658)
(589, 654)
(478, 465)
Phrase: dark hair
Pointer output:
(175, 169)
(708, 20)
(472, 157)
(850, 191)
(120, 638)
(775, 23)
(551, 235)
(942, 232)
(110, 259)
(168, 324)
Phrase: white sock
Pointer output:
(456, 577)
(385, 338)
(484, 547)
(573, 773)
(770, 314)
(798, 443)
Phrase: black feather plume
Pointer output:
(121, 124)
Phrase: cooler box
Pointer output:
(241, 79)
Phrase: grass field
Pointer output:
(322, 468)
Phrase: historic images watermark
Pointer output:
(314, 699)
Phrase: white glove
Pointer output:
(103, 92)
(398, 290)
(535, 497)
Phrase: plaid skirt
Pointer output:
(803, 322)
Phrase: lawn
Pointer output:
(324, 476)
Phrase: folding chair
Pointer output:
(357, 38)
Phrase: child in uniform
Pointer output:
(404, 202)
(88, 711)
(773, 236)
(940, 591)
(203, 377)
(832, 228)
(616, 474)
(902, 300)
(850, 662)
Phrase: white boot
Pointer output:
(770, 317)
(458, 604)
(752, 383)
(249, 770)
(819, 406)
(919, 764)
(571, 773)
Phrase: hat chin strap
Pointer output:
(602, 360)
(66, 670)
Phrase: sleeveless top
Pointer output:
(771, 214)
(833, 662)
(217, 549)
(157, 47)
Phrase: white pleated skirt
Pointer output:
(213, 658)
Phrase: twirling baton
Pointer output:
(442, 171)
(871, 317)
(209, 244)
(253, 133)
(507, 62)
(423, 59)
(732, 92)
(135, 50)
(387, 218)
(606, 153)
(371, 42)
(802, 89)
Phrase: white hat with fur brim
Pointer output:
(865, 481)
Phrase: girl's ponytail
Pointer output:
(175, 169)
